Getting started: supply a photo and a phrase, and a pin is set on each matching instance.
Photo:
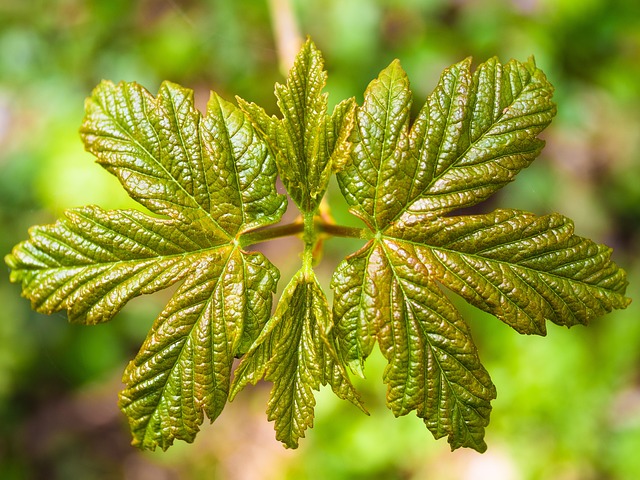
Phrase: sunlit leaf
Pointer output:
(475, 132)
(210, 178)
(308, 143)
(296, 352)
(208, 185)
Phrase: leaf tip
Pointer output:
(357, 367)
(10, 261)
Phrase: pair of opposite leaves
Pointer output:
(210, 183)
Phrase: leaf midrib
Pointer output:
(383, 141)
(501, 262)
(201, 253)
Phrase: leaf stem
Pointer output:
(310, 239)
(271, 233)
(296, 228)
(343, 231)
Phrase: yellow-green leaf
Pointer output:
(210, 179)
(404, 178)
(297, 352)
(183, 369)
(308, 143)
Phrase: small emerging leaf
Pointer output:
(297, 352)
(308, 143)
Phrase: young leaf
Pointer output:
(519, 267)
(357, 306)
(308, 143)
(297, 352)
(474, 134)
(208, 182)
(210, 179)
(184, 366)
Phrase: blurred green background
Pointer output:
(568, 405)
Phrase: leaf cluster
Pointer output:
(208, 182)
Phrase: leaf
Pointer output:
(308, 143)
(433, 364)
(339, 128)
(519, 267)
(210, 179)
(297, 352)
(380, 143)
(475, 132)
(92, 261)
(184, 366)
(210, 170)
(208, 184)
(473, 135)
(357, 306)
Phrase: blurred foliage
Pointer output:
(570, 406)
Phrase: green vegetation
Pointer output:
(211, 181)
(566, 402)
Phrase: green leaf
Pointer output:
(433, 364)
(475, 132)
(339, 128)
(522, 268)
(297, 352)
(210, 179)
(92, 261)
(212, 171)
(357, 305)
(373, 181)
(308, 143)
(208, 184)
(473, 135)
(184, 367)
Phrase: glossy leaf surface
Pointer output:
(210, 179)
(476, 131)
(308, 143)
(208, 185)
(297, 352)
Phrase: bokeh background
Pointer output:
(568, 405)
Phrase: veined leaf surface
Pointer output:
(297, 352)
(475, 132)
(208, 184)
(308, 143)
(209, 179)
